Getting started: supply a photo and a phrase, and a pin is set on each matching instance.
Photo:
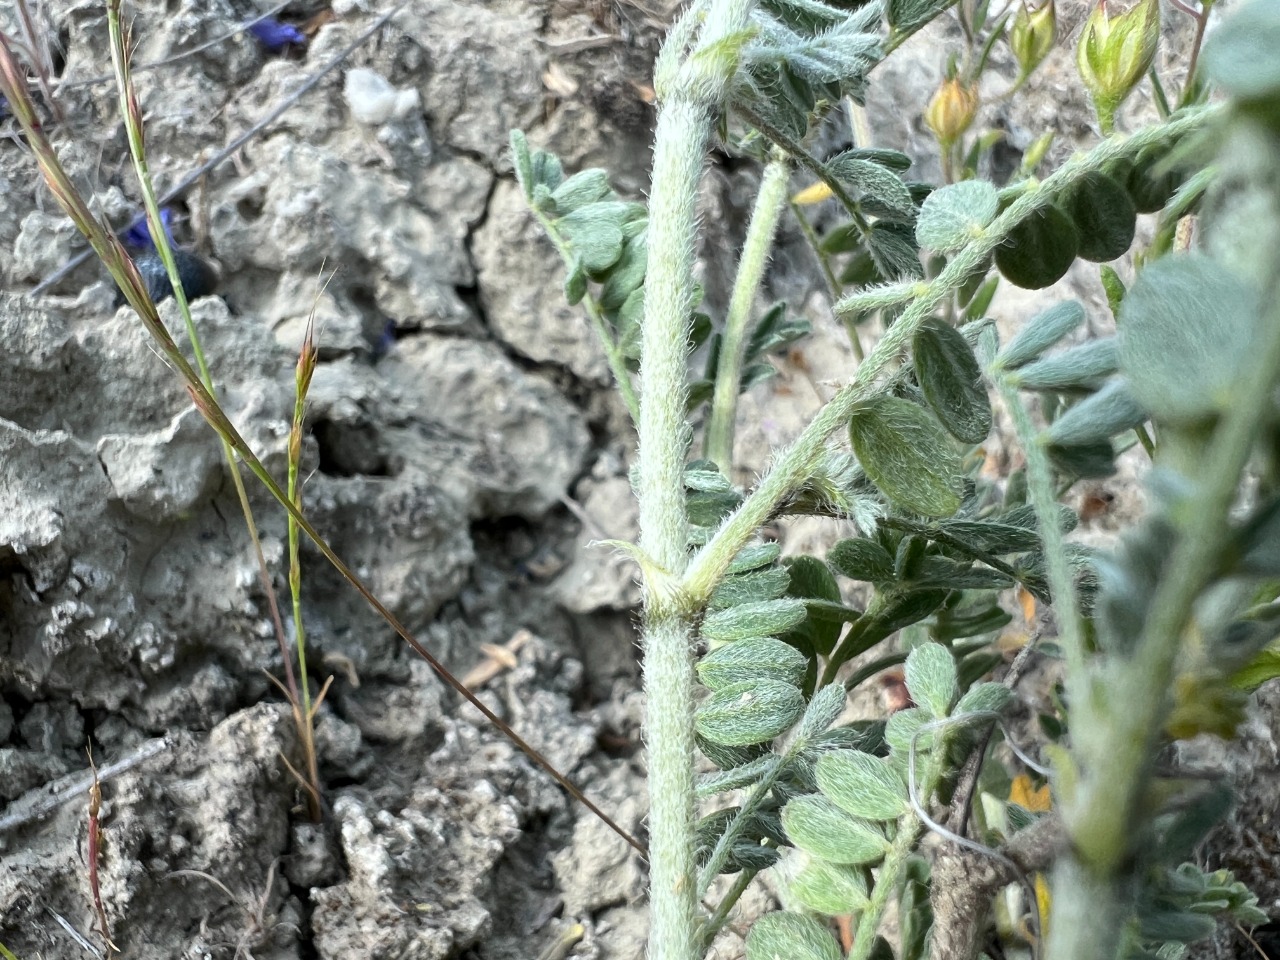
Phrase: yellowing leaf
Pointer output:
(814, 194)
(1021, 793)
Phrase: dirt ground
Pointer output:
(465, 450)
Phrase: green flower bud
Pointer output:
(1035, 153)
(1032, 34)
(951, 111)
(1115, 53)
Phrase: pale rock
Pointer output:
(374, 101)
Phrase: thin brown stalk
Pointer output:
(303, 722)
(38, 46)
(135, 134)
(95, 852)
(308, 357)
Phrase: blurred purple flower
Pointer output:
(274, 35)
(385, 341)
(138, 236)
(4, 107)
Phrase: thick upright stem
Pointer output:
(1119, 708)
(668, 678)
(683, 127)
(1115, 729)
(689, 91)
(755, 253)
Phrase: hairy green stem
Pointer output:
(720, 853)
(1062, 587)
(689, 92)
(759, 793)
(793, 466)
(755, 254)
(895, 860)
(804, 158)
(833, 283)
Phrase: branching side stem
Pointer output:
(755, 254)
(1119, 709)
(794, 465)
(612, 349)
(886, 885)
(1044, 498)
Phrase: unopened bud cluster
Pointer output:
(1115, 53)
(1031, 35)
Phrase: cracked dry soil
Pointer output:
(458, 403)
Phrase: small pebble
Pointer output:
(374, 101)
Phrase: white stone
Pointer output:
(374, 101)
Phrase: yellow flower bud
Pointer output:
(1115, 53)
(1032, 34)
(951, 111)
(815, 193)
